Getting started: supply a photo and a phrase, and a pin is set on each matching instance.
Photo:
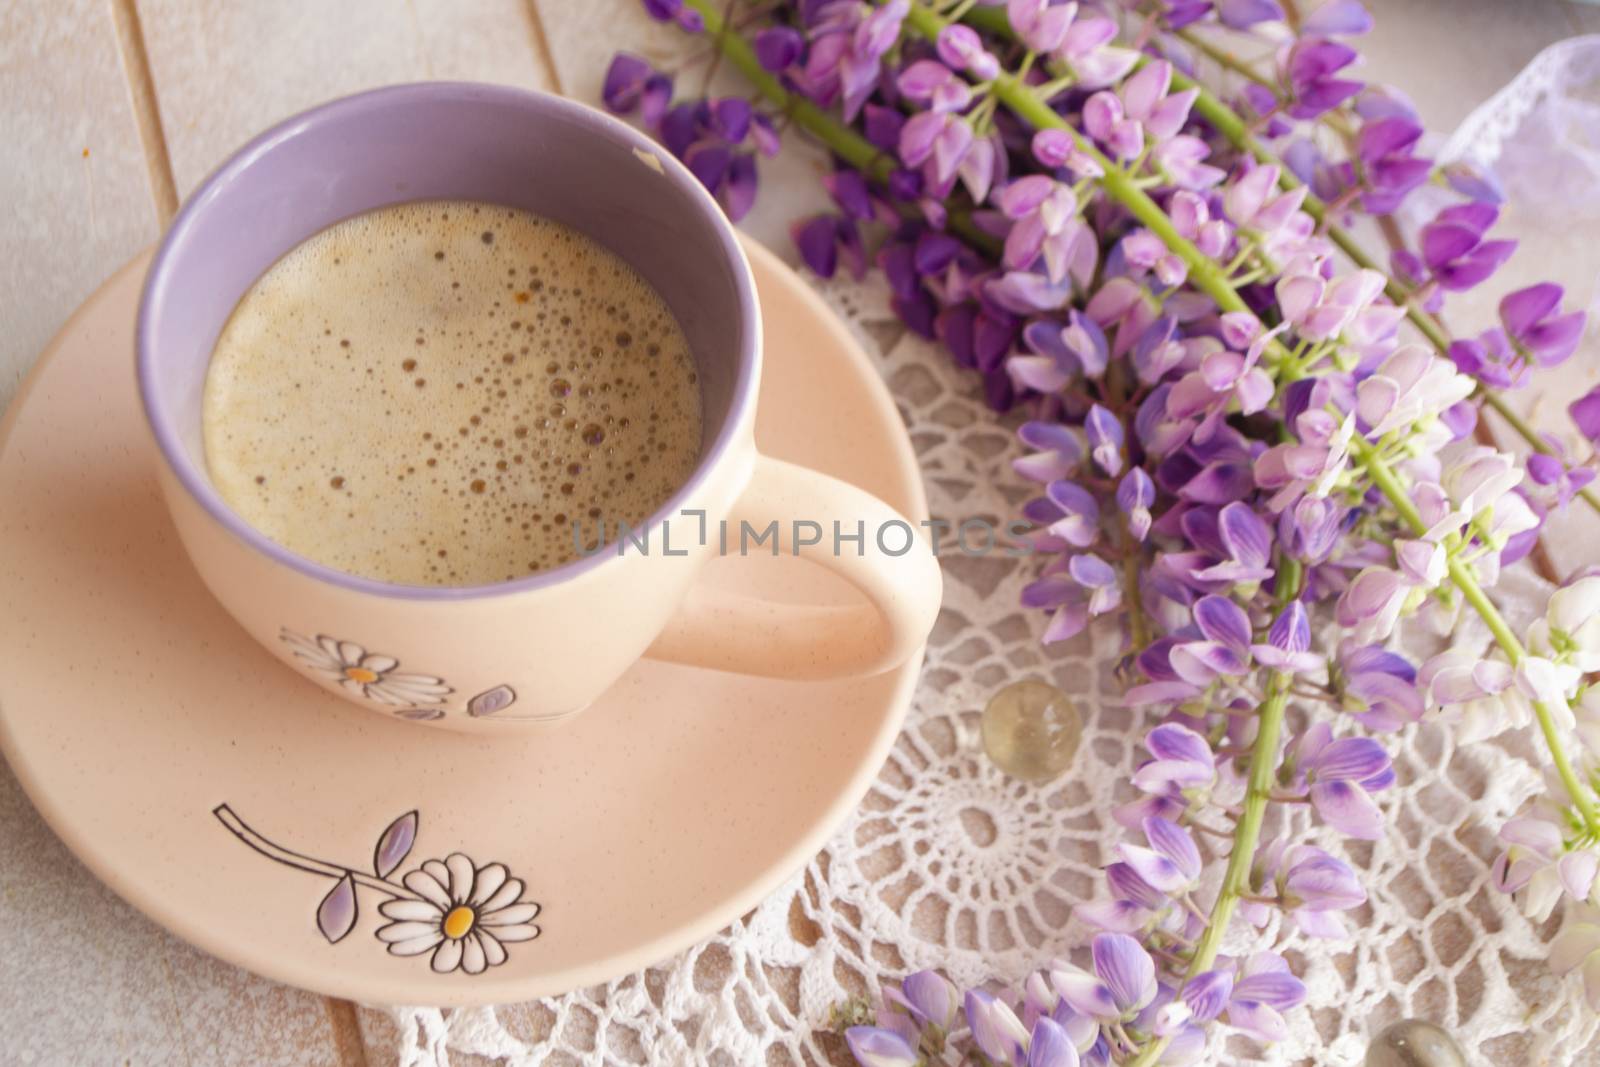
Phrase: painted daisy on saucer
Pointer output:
(462, 913)
(370, 674)
(465, 916)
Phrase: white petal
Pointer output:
(462, 875)
(428, 883)
(490, 878)
(411, 910)
(381, 664)
(514, 933)
(407, 931)
(350, 683)
(416, 946)
(473, 960)
(351, 653)
(493, 951)
(447, 957)
(512, 916)
(416, 685)
(331, 647)
(506, 894)
(310, 652)
(1573, 945)
(379, 691)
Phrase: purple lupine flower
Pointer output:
(1134, 901)
(1252, 201)
(1530, 320)
(1408, 387)
(962, 49)
(631, 83)
(1248, 542)
(1389, 172)
(1123, 980)
(779, 47)
(1079, 522)
(848, 43)
(1309, 73)
(1039, 24)
(1556, 474)
(1086, 48)
(934, 85)
(1585, 412)
(1288, 644)
(687, 18)
(1140, 110)
(1207, 994)
(1313, 886)
(1191, 215)
(823, 240)
(1057, 451)
(996, 1030)
(1346, 306)
(1183, 763)
(1135, 493)
(1051, 1046)
(1261, 994)
(1061, 353)
(708, 135)
(1491, 359)
(874, 1046)
(1223, 650)
(1098, 579)
(942, 145)
(1105, 439)
(1045, 220)
(1453, 248)
(1341, 776)
(930, 998)
(1171, 863)
(1242, 14)
(1377, 687)
(1058, 148)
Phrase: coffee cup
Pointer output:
(535, 649)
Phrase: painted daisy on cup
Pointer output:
(369, 674)
(464, 916)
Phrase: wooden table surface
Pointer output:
(111, 111)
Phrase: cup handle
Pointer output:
(725, 631)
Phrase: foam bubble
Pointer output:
(402, 398)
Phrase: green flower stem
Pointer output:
(839, 138)
(1247, 830)
(1462, 577)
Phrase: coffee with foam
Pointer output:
(433, 393)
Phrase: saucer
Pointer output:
(321, 845)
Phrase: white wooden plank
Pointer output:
(72, 174)
(89, 980)
(224, 72)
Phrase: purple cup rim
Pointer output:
(198, 485)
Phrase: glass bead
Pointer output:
(1031, 730)
(1415, 1043)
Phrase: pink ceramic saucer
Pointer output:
(278, 828)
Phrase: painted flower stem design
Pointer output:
(462, 913)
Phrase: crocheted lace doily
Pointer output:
(949, 863)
